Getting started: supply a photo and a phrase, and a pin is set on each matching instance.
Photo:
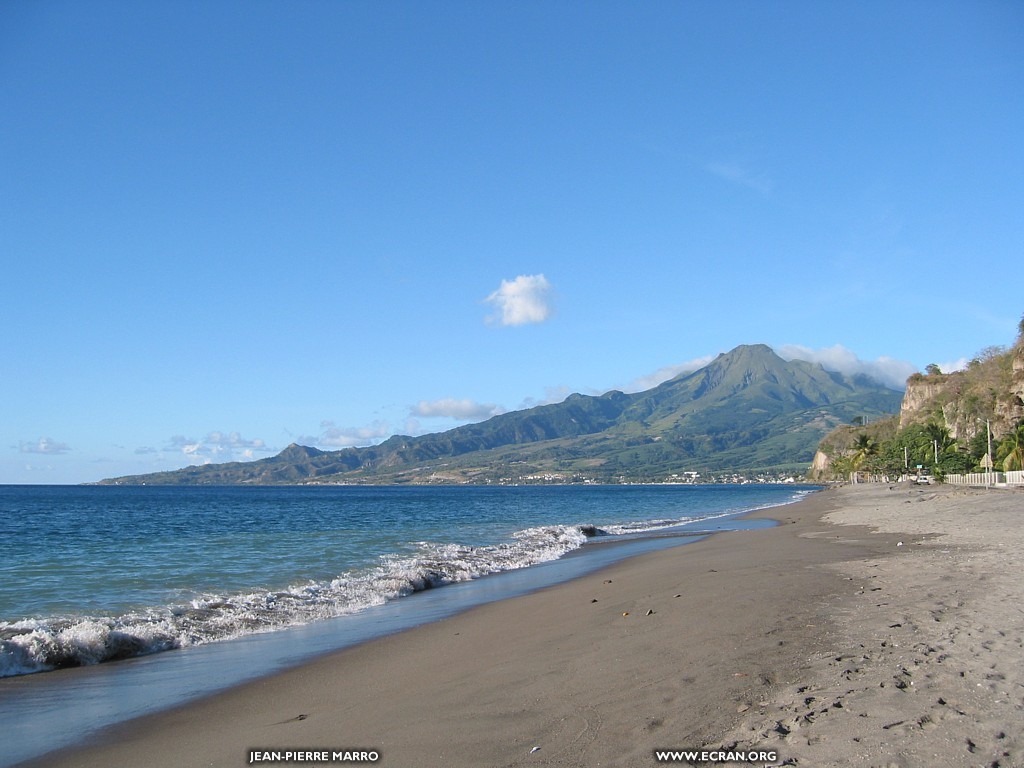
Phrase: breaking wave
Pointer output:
(41, 644)
(36, 645)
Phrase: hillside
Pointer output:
(964, 421)
(746, 410)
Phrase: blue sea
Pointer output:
(158, 579)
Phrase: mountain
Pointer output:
(746, 410)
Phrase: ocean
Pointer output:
(159, 579)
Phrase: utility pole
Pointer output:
(988, 477)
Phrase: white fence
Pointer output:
(987, 478)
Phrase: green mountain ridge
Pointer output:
(746, 410)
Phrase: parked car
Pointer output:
(924, 480)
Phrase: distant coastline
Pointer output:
(746, 415)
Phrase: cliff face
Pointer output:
(1010, 409)
(991, 390)
(819, 465)
(921, 393)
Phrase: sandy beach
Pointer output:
(875, 626)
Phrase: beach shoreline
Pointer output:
(702, 646)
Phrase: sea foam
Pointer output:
(35, 645)
(65, 639)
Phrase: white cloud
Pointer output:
(552, 395)
(234, 441)
(662, 375)
(45, 445)
(222, 446)
(892, 373)
(37, 468)
(333, 436)
(527, 299)
(451, 408)
(956, 365)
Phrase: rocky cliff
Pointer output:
(1011, 409)
(921, 393)
(989, 391)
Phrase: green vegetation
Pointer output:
(1010, 452)
(747, 412)
(946, 424)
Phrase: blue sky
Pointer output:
(228, 226)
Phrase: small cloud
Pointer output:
(332, 436)
(233, 441)
(142, 450)
(44, 445)
(37, 468)
(662, 375)
(220, 446)
(450, 408)
(553, 395)
(527, 299)
(737, 174)
(890, 372)
(956, 365)
(186, 445)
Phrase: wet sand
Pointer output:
(875, 625)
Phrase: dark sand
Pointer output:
(824, 641)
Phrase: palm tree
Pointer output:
(842, 467)
(1012, 448)
(938, 433)
(938, 440)
(863, 448)
(919, 444)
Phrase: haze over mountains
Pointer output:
(746, 410)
